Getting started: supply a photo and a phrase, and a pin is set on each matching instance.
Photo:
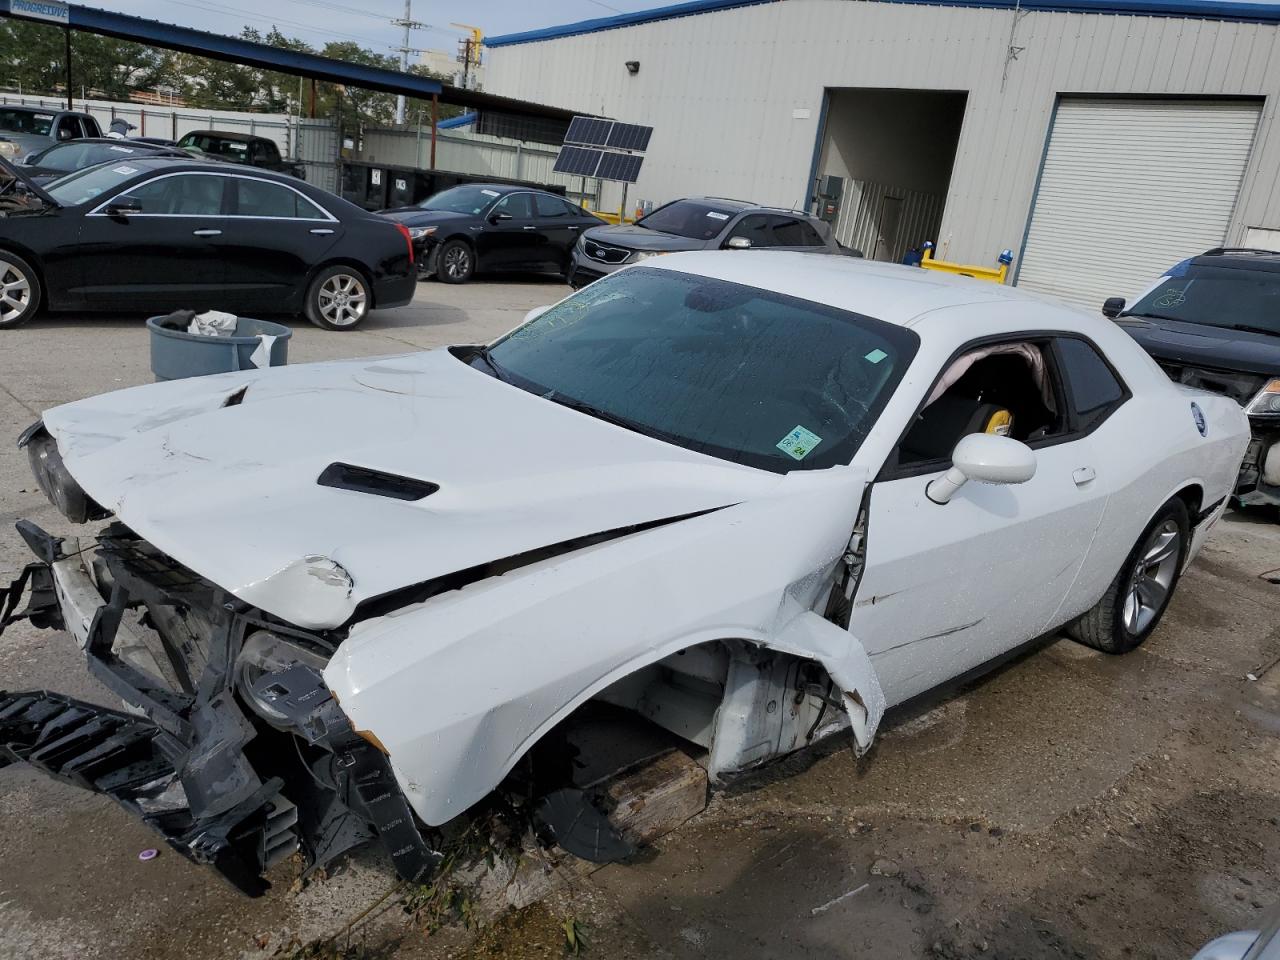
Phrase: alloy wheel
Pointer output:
(15, 292)
(343, 300)
(457, 262)
(1152, 577)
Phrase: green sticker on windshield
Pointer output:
(799, 442)
(875, 356)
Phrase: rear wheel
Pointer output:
(19, 290)
(338, 298)
(456, 262)
(1139, 595)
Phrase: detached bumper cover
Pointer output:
(184, 768)
(1257, 484)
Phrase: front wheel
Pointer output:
(338, 298)
(1139, 595)
(19, 290)
(456, 263)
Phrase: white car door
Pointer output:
(948, 587)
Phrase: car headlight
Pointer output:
(645, 255)
(417, 233)
(1267, 402)
(9, 149)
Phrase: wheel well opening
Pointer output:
(354, 265)
(1193, 497)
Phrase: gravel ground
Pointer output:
(1069, 804)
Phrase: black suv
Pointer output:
(1213, 322)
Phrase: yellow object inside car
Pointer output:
(999, 423)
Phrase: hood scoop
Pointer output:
(346, 476)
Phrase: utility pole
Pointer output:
(404, 50)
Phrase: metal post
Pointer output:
(417, 147)
(435, 121)
(67, 32)
(622, 211)
(312, 112)
(404, 60)
(519, 159)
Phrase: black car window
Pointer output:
(515, 204)
(794, 232)
(755, 228)
(189, 195)
(68, 128)
(1094, 388)
(695, 219)
(65, 157)
(549, 206)
(465, 199)
(725, 369)
(261, 198)
(1216, 296)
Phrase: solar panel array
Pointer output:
(579, 158)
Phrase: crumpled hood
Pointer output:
(231, 491)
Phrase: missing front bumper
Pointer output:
(225, 786)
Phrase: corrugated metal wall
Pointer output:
(735, 97)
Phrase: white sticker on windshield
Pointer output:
(490, 193)
(717, 216)
(875, 356)
(125, 171)
(44, 116)
(799, 442)
(121, 149)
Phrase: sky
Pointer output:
(368, 21)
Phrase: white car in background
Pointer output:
(754, 499)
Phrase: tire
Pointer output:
(456, 262)
(338, 298)
(1139, 595)
(19, 290)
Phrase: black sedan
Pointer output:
(489, 226)
(63, 158)
(156, 234)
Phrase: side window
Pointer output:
(755, 228)
(573, 210)
(68, 128)
(259, 198)
(515, 204)
(795, 232)
(192, 195)
(1094, 388)
(548, 206)
(1005, 389)
(91, 128)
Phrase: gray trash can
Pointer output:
(176, 353)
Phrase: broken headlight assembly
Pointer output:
(53, 477)
(1266, 403)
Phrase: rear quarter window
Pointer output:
(1093, 387)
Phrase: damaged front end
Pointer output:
(230, 746)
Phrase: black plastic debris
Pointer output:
(571, 818)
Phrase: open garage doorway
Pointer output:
(892, 151)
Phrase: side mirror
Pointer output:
(123, 206)
(1112, 307)
(986, 458)
(499, 217)
(535, 313)
(737, 243)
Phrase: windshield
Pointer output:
(26, 121)
(695, 219)
(1216, 297)
(66, 157)
(721, 368)
(211, 145)
(84, 185)
(472, 200)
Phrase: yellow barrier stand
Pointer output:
(994, 274)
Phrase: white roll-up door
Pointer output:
(1131, 187)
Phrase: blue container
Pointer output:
(176, 353)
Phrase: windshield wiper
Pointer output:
(606, 416)
(1248, 328)
(1152, 316)
(498, 372)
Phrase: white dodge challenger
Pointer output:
(755, 498)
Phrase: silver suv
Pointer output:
(25, 130)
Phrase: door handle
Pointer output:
(206, 233)
(528, 228)
(574, 228)
(322, 231)
(1083, 475)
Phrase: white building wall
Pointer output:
(735, 96)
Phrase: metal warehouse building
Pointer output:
(1100, 142)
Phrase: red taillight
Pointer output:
(408, 238)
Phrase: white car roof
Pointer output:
(906, 296)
